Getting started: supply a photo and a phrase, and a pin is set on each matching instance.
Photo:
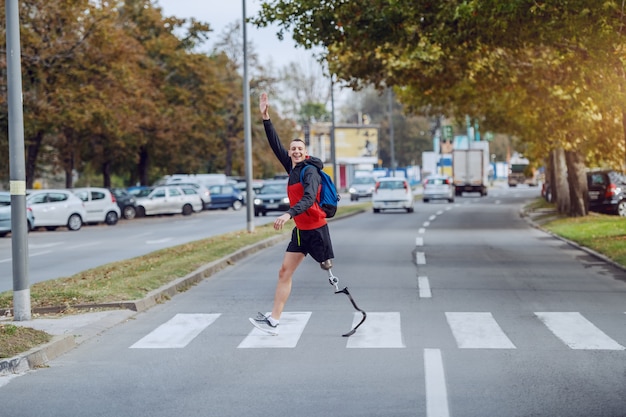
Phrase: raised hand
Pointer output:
(264, 106)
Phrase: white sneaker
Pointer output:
(262, 323)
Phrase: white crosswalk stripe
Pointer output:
(478, 331)
(380, 330)
(290, 329)
(177, 332)
(470, 330)
(577, 332)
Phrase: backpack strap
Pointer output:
(302, 172)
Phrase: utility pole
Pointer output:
(391, 144)
(246, 129)
(332, 128)
(17, 179)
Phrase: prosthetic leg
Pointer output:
(334, 281)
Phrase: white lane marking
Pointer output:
(577, 332)
(30, 255)
(290, 329)
(477, 331)
(439, 213)
(433, 217)
(426, 224)
(497, 201)
(436, 392)
(157, 241)
(424, 287)
(419, 241)
(176, 332)
(420, 258)
(421, 230)
(380, 330)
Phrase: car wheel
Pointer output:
(256, 213)
(264, 213)
(451, 200)
(74, 222)
(409, 210)
(425, 200)
(141, 211)
(621, 208)
(3, 234)
(129, 212)
(187, 210)
(376, 210)
(237, 205)
(111, 218)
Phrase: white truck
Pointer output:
(470, 168)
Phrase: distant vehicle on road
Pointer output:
(100, 205)
(392, 193)
(271, 197)
(470, 168)
(607, 192)
(5, 214)
(168, 199)
(362, 187)
(438, 188)
(56, 207)
(225, 196)
(126, 202)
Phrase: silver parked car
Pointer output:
(168, 199)
(438, 188)
(55, 208)
(100, 205)
(362, 187)
(5, 214)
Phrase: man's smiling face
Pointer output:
(297, 151)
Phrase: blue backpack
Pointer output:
(328, 195)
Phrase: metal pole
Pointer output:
(391, 144)
(17, 180)
(332, 130)
(246, 129)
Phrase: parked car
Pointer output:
(135, 190)
(362, 187)
(607, 192)
(126, 202)
(438, 188)
(392, 193)
(5, 214)
(56, 207)
(168, 199)
(225, 196)
(272, 196)
(100, 205)
(201, 189)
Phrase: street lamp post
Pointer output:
(246, 129)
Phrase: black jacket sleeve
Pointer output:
(278, 148)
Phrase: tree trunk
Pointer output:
(68, 167)
(142, 166)
(551, 178)
(106, 174)
(561, 188)
(577, 179)
(32, 153)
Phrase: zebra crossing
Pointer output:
(470, 330)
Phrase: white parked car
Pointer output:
(392, 193)
(54, 208)
(168, 199)
(438, 187)
(100, 205)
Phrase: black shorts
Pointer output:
(315, 242)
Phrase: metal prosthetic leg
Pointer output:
(334, 281)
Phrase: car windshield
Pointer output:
(144, 193)
(436, 181)
(363, 180)
(391, 185)
(273, 189)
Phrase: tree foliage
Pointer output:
(551, 73)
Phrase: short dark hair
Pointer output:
(298, 140)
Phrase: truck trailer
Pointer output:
(470, 168)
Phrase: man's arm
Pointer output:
(264, 106)
(272, 137)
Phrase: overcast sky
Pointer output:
(220, 13)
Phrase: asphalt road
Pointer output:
(471, 312)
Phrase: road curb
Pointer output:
(526, 216)
(40, 355)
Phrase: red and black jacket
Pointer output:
(303, 196)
